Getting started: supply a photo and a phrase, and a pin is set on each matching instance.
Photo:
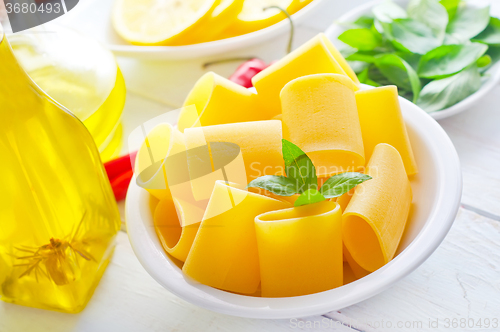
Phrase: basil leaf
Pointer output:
(339, 184)
(451, 7)
(494, 53)
(412, 36)
(431, 13)
(449, 59)
(388, 11)
(278, 185)
(358, 66)
(309, 197)
(490, 35)
(299, 167)
(446, 92)
(385, 13)
(364, 78)
(362, 39)
(363, 56)
(467, 23)
(413, 59)
(399, 72)
(365, 21)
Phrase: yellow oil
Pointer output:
(80, 74)
(58, 216)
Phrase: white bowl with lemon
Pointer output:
(191, 29)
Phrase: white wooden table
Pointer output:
(461, 280)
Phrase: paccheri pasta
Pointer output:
(326, 128)
(317, 56)
(224, 253)
(286, 240)
(382, 122)
(299, 188)
(375, 218)
(220, 101)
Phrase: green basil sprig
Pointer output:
(301, 179)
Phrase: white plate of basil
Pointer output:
(442, 54)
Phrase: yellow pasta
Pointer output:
(300, 250)
(382, 122)
(224, 253)
(218, 101)
(375, 218)
(357, 270)
(348, 274)
(320, 116)
(175, 239)
(317, 56)
(236, 152)
(344, 200)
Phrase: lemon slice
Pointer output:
(253, 17)
(162, 22)
(222, 17)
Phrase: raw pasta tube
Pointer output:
(382, 122)
(224, 253)
(300, 250)
(155, 163)
(217, 101)
(375, 218)
(168, 221)
(162, 169)
(317, 56)
(357, 270)
(256, 147)
(320, 116)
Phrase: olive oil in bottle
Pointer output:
(58, 216)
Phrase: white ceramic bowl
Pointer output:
(94, 17)
(337, 29)
(437, 191)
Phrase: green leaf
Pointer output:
(309, 197)
(358, 66)
(467, 23)
(412, 36)
(299, 167)
(388, 11)
(364, 78)
(431, 13)
(484, 61)
(413, 59)
(339, 184)
(365, 56)
(451, 7)
(490, 35)
(362, 39)
(278, 185)
(385, 13)
(364, 21)
(494, 53)
(446, 92)
(399, 72)
(449, 59)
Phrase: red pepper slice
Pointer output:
(244, 73)
(120, 172)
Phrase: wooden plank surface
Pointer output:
(460, 280)
(128, 299)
